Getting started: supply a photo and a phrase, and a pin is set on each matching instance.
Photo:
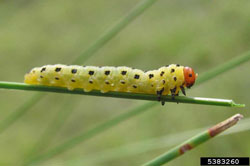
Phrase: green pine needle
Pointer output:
(179, 99)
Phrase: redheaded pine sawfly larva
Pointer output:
(163, 81)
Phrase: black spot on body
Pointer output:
(136, 76)
(124, 72)
(73, 71)
(163, 82)
(172, 70)
(43, 69)
(41, 76)
(91, 82)
(107, 72)
(58, 69)
(190, 75)
(73, 80)
(177, 65)
(56, 78)
(134, 86)
(175, 79)
(151, 76)
(122, 82)
(162, 73)
(107, 82)
(91, 72)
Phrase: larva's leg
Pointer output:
(173, 93)
(183, 90)
(159, 95)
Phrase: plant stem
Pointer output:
(180, 99)
(194, 141)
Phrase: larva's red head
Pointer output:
(189, 76)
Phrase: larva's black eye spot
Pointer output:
(73, 71)
(172, 70)
(124, 72)
(162, 73)
(177, 65)
(136, 76)
(91, 72)
(175, 79)
(91, 82)
(56, 78)
(190, 75)
(122, 82)
(107, 72)
(134, 86)
(58, 69)
(163, 82)
(73, 80)
(41, 76)
(43, 69)
(151, 76)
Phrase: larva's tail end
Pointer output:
(27, 79)
(30, 78)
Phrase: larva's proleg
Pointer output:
(163, 81)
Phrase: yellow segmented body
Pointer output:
(121, 79)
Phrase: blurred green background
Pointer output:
(200, 34)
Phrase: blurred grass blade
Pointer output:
(91, 133)
(224, 67)
(55, 125)
(5, 123)
(179, 99)
(142, 6)
(136, 11)
(194, 141)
